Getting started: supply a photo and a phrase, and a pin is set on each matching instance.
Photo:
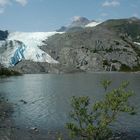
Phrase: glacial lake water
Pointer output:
(48, 97)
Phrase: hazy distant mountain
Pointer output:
(62, 29)
(79, 22)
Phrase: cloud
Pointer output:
(1, 10)
(111, 3)
(75, 18)
(104, 14)
(136, 15)
(134, 5)
(22, 2)
(5, 3)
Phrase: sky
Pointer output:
(49, 15)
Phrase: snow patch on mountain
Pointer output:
(137, 43)
(92, 24)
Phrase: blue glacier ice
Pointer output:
(18, 55)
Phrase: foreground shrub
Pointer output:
(92, 122)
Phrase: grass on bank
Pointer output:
(125, 68)
(8, 72)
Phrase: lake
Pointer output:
(48, 97)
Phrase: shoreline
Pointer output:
(15, 133)
(103, 72)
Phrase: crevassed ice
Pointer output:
(24, 45)
(8, 52)
(31, 39)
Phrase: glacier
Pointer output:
(32, 39)
(24, 46)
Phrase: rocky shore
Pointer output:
(8, 130)
(6, 110)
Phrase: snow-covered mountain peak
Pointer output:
(77, 22)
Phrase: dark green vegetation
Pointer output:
(92, 121)
(125, 68)
(3, 35)
(8, 72)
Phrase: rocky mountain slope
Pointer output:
(106, 47)
(128, 27)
